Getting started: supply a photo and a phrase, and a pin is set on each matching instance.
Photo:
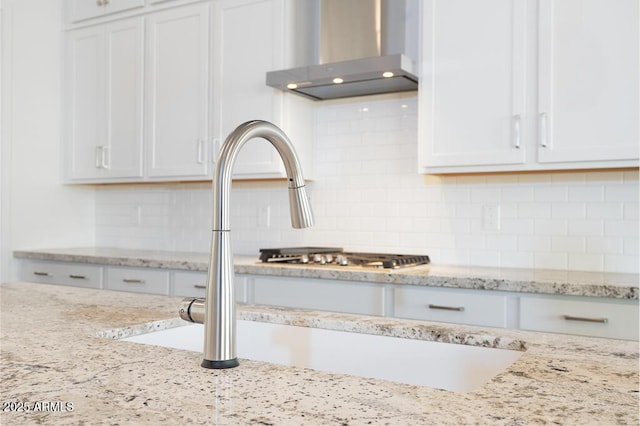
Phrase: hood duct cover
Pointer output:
(361, 47)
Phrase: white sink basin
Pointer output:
(447, 366)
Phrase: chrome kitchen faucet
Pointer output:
(219, 305)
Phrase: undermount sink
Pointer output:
(453, 367)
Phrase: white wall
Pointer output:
(41, 212)
(368, 196)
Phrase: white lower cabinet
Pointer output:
(454, 306)
(189, 284)
(137, 280)
(78, 275)
(587, 316)
(580, 315)
(194, 284)
(325, 295)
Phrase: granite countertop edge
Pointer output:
(558, 282)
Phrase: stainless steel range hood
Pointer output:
(353, 48)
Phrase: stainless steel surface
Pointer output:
(446, 308)
(220, 317)
(361, 47)
(585, 319)
(192, 310)
(133, 281)
(315, 256)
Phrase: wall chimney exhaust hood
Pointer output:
(352, 48)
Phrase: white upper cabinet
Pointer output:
(588, 80)
(103, 101)
(79, 10)
(249, 40)
(472, 89)
(176, 101)
(515, 85)
(152, 98)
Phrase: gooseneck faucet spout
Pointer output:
(220, 315)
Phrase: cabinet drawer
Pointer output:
(137, 280)
(79, 275)
(598, 318)
(453, 306)
(189, 284)
(194, 284)
(324, 295)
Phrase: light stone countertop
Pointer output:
(50, 352)
(541, 281)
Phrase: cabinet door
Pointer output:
(248, 42)
(451, 305)
(84, 102)
(325, 295)
(588, 80)
(79, 275)
(578, 315)
(151, 281)
(124, 81)
(472, 88)
(177, 92)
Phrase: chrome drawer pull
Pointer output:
(585, 319)
(78, 277)
(446, 308)
(132, 281)
(200, 286)
(42, 274)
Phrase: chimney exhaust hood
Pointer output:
(354, 48)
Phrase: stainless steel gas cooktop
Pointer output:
(336, 256)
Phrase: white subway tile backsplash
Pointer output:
(604, 210)
(586, 227)
(585, 262)
(551, 194)
(568, 211)
(367, 195)
(568, 244)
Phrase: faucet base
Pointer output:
(227, 363)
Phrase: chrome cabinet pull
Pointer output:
(585, 319)
(516, 131)
(132, 281)
(78, 277)
(543, 130)
(42, 274)
(200, 286)
(202, 153)
(446, 308)
(105, 160)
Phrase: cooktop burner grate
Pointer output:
(336, 256)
